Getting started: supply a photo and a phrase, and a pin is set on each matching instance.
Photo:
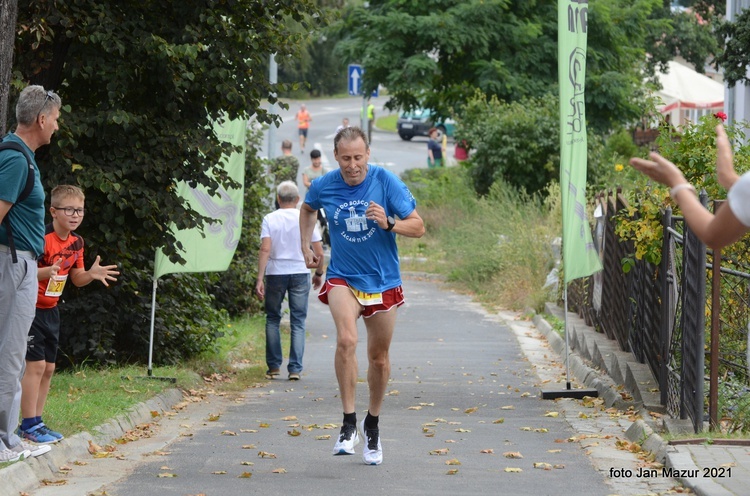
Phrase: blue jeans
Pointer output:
(298, 287)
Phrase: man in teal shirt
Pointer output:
(37, 112)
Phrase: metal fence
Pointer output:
(659, 313)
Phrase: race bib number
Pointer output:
(56, 285)
(367, 299)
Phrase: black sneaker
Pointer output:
(348, 439)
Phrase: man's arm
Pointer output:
(412, 226)
(263, 255)
(4, 208)
(307, 219)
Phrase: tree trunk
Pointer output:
(8, 15)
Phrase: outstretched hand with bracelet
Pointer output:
(715, 230)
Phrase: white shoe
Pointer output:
(34, 449)
(8, 455)
(348, 439)
(372, 453)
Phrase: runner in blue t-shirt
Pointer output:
(366, 207)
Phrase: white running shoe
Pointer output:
(34, 449)
(372, 453)
(348, 439)
(8, 455)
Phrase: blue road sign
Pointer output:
(355, 79)
(355, 73)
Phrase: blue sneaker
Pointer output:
(36, 434)
(52, 433)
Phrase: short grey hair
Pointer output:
(33, 101)
(288, 192)
(350, 134)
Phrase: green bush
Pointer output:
(517, 142)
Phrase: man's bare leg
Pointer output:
(345, 309)
(379, 335)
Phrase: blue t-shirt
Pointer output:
(27, 217)
(362, 253)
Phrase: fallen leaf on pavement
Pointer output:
(228, 433)
(453, 461)
(512, 454)
(58, 482)
(498, 421)
(279, 471)
(513, 470)
(249, 430)
(471, 410)
(219, 472)
(245, 475)
(552, 414)
(294, 433)
(213, 417)
(542, 465)
(265, 454)
(166, 475)
(488, 451)
(248, 446)
(452, 471)
(324, 437)
(441, 451)
(247, 463)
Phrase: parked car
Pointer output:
(418, 123)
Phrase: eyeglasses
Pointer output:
(70, 211)
(50, 93)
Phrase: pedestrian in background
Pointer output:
(285, 167)
(344, 124)
(21, 242)
(315, 170)
(362, 203)
(281, 272)
(434, 150)
(303, 119)
(731, 222)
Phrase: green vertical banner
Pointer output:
(212, 249)
(580, 258)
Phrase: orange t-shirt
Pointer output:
(71, 251)
(304, 119)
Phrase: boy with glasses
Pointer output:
(62, 258)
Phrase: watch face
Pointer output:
(391, 219)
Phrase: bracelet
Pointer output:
(673, 192)
(318, 273)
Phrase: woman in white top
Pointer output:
(729, 224)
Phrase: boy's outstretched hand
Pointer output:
(103, 273)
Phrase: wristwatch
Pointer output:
(391, 222)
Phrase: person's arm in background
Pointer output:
(4, 209)
(715, 230)
(263, 255)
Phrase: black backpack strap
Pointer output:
(12, 145)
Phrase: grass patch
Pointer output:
(387, 123)
(497, 247)
(84, 398)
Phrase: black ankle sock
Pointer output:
(350, 418)
(371, 421)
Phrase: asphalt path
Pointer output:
(462, 391)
